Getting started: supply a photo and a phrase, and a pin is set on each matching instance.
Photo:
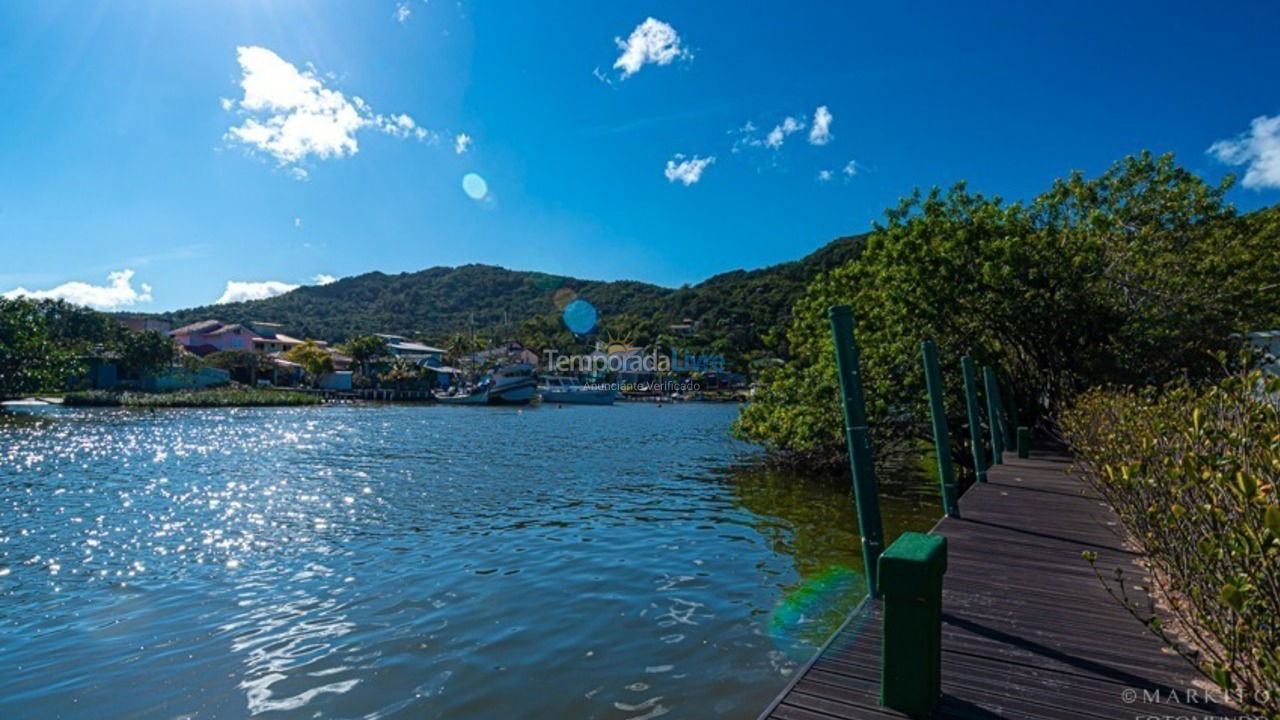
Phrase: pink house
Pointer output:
(210, 336)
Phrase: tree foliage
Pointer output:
(43, 343)
(145, 352)
(31, 356)
(316, 362)
(1135, 276)
(364, 349)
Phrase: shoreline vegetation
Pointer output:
(218, 397)
(1193, 473)
(1139, 276)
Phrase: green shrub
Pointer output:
(1193, 474)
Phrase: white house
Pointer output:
(401, 347)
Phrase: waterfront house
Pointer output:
(268, 339)
(195, 337)
(401, 347)
(143, 323)
(210, 336)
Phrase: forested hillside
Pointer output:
(736, 308)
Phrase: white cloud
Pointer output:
(850, 168)
(117, 293)
(820, 133)
(402, 126)
(461, 143)
(402, 12)
(291, 115)
(652, 41)
(297, 222)
(824, 175)
(1259, 148)
(241, 291)
(746, 137)
(780, 132)
(687, 170)
(323, 279)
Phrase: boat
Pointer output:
(508, 385)
(566, 390)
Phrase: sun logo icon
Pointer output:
(613, 345)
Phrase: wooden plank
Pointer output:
(1028, 629)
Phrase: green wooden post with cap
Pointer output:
(865, 494)
(993, 414)
(975, 417)
(911, 573)
(941, 439)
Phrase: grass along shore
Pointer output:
(223, 397)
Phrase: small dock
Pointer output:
(1027, 629)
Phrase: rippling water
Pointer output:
(415, 562)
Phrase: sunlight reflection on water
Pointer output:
(411, 561)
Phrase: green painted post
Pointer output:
(941, 439)
(993, 414)
(1009, 410)
(865, 494)
(1024, 441)
(911, 573)
(975, 417)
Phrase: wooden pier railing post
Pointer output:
(993, 414)
(1008, 410)
(865, 493)
(975, 417)
(911, 573)
(1024, 441)
(941, 438)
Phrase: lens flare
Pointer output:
(580, 316)
(474, 186)
(814, 609)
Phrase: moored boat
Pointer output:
(557, 389)
(508, 385)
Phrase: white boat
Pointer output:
(508, 385)
(557, 389)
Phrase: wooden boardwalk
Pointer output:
(1028, 631)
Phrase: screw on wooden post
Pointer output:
(911, 573)
(941, 439)
(1024, 441)
(993, 414)
(975, 417)
(865, 494)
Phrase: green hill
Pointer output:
(433, 304)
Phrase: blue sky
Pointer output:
(121, 151)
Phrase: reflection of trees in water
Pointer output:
(813, 521)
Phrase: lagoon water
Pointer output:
(411, 562)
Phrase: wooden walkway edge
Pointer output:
(1028, 631)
